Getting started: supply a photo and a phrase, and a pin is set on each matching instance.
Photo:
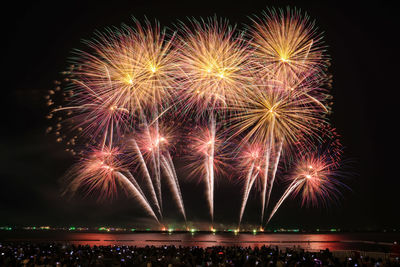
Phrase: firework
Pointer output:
(133, 66)
(100, 173)
(287, 46)
(125, 72)
(251, 162)
(145, 170)
(271, 115)
(93, 116)
(214, 68)
(207, 158)
(156, 141)
(167, 164)
(314, 178)
(159, 135)
(268, 88)
(214, 65)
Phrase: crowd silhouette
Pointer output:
(59, 254)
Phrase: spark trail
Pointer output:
(249, 185)
(288, 191)
(174, 186)
(135, 192)
(147, 176)
(210, 162)
(273, 175)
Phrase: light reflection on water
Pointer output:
(339, 241)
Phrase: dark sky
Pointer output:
(39, 37)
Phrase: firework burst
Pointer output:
(313, 179)
(287, 46)
(269, 113)
(156, 136)
(214, 65)
(100, 173)
(133, 66)
(94, 116)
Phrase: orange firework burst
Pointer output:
(269, 113)
(214, 65)
(133, 66)
(287, 46)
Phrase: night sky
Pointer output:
(39, 38)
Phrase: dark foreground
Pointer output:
(58, 254)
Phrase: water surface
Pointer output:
(314, 242)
